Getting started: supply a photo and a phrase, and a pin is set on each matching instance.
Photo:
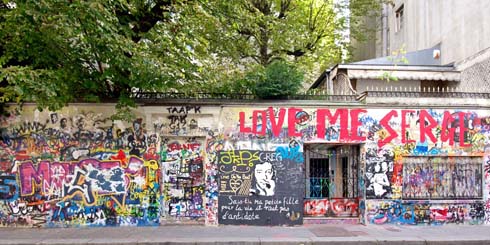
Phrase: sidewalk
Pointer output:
(306, 234)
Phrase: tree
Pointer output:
(278, 80)
(261, 31)
(250, 34)
(362, 12)
(56, 52)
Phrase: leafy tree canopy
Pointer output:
(278, 80)
(55, 52)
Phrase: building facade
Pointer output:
(256, 163)
(456, 27)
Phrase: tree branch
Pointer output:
(296, 53)
(144, 22)
(263, 6)
(285, 4)
(313, 21)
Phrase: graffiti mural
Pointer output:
(183, 178)
(178, 120)
(88, 192)
(336, 207)
(79, 167)
(442, 177)
(78, 170)
(379, 172)
(407, 154)
(255, 189)
(425, 213)
(214, 144)
(486, 192)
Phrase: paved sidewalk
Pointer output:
(306, 234)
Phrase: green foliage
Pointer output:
(360, 12)
(259, 32)
(277, 80)
(388, 76)
(398, 58)
(56, 52)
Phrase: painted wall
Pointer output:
(238, 165)
(260, 188)
(76, 167)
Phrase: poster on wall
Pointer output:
(379, 172)
(259, 188)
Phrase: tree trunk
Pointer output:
(264, 40)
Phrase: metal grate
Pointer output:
(442, 177)
(319, 178)
(322, 162)
(155, 97)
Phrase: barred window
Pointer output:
(442, 177)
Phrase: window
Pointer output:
(331, 171)
(449, 177)
(399, 19)
(319, 177)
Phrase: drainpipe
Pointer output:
(384, 30)
(328, 83)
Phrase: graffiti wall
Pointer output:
(77, 167)
(442, 177)
(230, 163)
(183, 178)
(335, 207)
(425, 212)
(408, 159)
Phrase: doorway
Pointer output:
(331, 186)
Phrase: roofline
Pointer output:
(405, 75)
(322, 77)
(319, 79)
(378, 67)
(481, 56)
(397, 67)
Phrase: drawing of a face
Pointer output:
(264, 179)
(63, 123)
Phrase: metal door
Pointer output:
(331, 180)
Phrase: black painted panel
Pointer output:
(260, 188)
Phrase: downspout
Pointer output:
(328, 83)
(384, 30)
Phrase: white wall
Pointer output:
(461, 26)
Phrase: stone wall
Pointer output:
(477, 76)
